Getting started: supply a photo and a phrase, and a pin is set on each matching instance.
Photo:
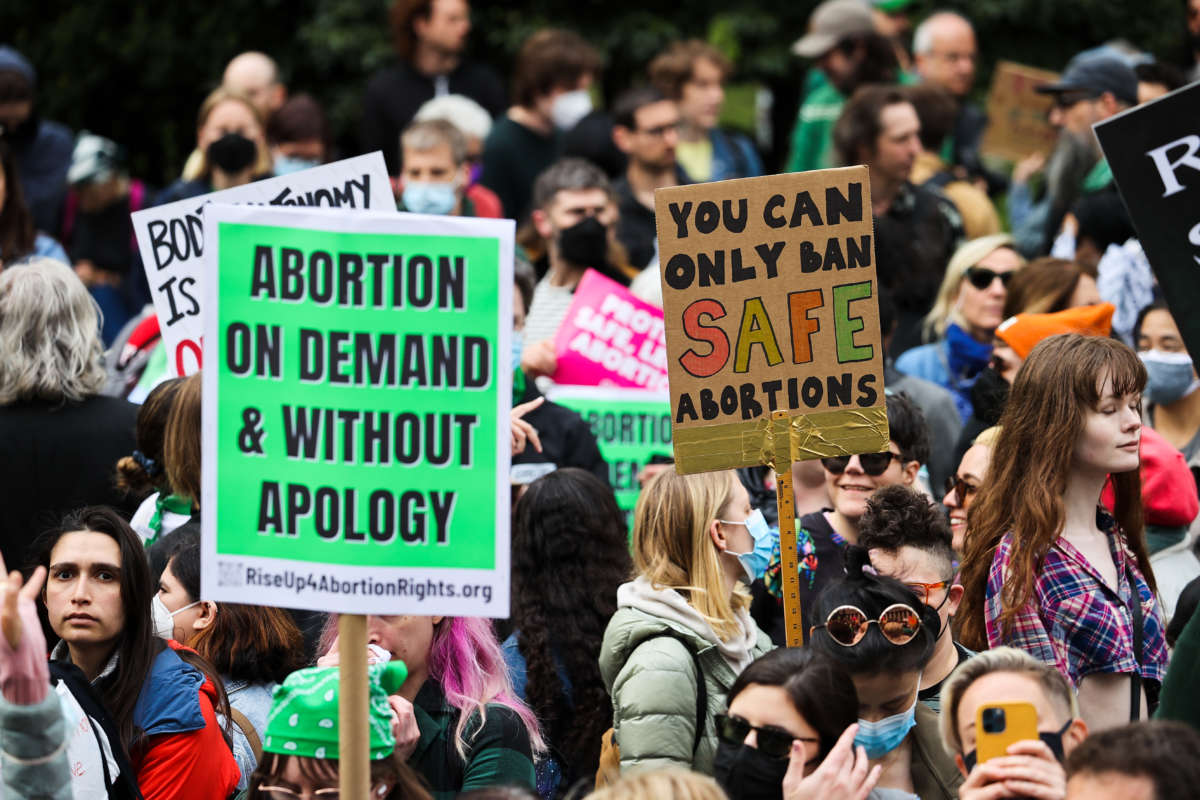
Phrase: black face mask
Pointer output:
(746, 774)
(1053, 740)
(232, 153)
(584, 244)
(21, 134)
(989, 393)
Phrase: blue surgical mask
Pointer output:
(518, 344)
(882, 737)
(429, 198)
(754, 563)
(1170, 376)
(286, 165)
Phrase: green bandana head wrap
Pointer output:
(304, 714)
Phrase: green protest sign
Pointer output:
(356, 372)
(631, 426)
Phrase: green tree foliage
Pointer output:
(137, 70)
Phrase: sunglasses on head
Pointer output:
(874, 464)
(926, 590)
(847, 625)
(982, 277)
(773, 742)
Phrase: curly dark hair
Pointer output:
(570, 552)
(896, 517)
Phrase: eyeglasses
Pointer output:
(847, 625)
(661, 130)
(923, 590)
(284, 793)
(773, 742)
(982, 277)
(874, 464)
(962, 490)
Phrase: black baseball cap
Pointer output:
(1097, 74)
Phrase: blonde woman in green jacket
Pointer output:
(682, 631)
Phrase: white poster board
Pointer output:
(171, 239)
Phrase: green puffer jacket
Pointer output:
(652, 681)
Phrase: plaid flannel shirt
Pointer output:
(1074, 623)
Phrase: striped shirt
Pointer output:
(1075, 623)
(498, 753)
(547, 311)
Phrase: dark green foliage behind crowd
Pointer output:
(136, 70)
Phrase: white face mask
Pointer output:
(164, 620)
(570, 107)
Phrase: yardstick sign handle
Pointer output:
(770, 304)
(792, 621)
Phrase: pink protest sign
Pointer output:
(611, 338)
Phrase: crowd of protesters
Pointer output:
(1027, 540)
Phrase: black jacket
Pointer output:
(58, 459)
(395, 93)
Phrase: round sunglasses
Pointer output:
(847, 625)
(773, 742)
(982, 277)
(874, 464)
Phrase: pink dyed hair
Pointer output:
(466, 661)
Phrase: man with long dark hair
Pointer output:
(430, 37)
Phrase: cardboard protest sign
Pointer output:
(1018, 122)
(1154, 153)
(171, 239)
(630, 426)
(611, 338)
(769, 296)
(356, 399)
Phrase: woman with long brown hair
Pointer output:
(1047, 569)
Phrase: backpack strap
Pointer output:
(1135, 611)
(1135, 686)
(701, 688)
(740, 162)
(70, 209)
(248, 731)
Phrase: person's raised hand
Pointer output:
(522, 431)
(24, 674)
(845, 774)
(539, 359)
(1027, 167)
(1029, 770)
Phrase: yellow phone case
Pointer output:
(1021, 723)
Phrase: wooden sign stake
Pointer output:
(789, 559)
(354, 752)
